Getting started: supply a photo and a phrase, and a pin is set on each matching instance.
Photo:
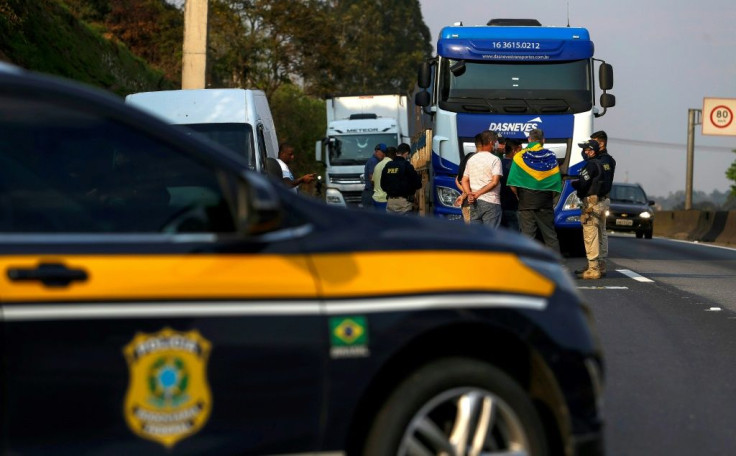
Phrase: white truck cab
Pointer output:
(355, 125)
(239, 119)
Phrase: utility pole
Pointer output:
(194, 58)
(694, 117)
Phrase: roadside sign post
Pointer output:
(693, 118)
(717, 119)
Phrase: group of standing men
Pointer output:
(519, 191)
(390, 180)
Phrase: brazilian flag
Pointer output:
(535, 168)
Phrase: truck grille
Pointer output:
(346, 178)
(352, 198)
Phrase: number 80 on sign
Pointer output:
(718, 116)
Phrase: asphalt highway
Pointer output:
(666, 316)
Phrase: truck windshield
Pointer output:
(517, 88)
(237, 137)
(356, 149)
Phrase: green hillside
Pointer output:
(42, 35)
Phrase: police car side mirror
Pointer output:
(258, 207)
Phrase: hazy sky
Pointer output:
(667, 55)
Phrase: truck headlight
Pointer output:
(333, 196)
(447, 196)
(571, 202)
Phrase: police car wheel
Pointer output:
(648, 233)
(457, 406)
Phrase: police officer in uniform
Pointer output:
(400, 181)
(593, 188)
(602, 139)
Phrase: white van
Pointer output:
(239, 119)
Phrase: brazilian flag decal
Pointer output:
(348, 337)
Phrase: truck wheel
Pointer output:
(457, 406)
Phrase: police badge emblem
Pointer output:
(168, 397)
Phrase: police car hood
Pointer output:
(334, 228)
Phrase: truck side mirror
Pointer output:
(422, 98)
(318, 151)
(608, 100)
(605, 76)
(424, 77)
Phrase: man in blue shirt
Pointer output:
(366, 198)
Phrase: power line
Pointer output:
(636, 142)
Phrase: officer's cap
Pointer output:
(590, 145)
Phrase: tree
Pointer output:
(381, 42)
(731, 175)
(325, 46)
(152, 29)
(300, 121)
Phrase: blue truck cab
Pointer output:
(512, 76)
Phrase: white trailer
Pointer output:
(355, 125)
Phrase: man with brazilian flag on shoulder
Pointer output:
(535, 179)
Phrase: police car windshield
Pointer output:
(237, 137)
(523, 88)
(357, 149)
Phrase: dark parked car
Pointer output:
(159, 298)
(630, 210)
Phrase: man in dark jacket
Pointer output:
(593, 187)
(535, 178)
(602, 139)
(509, 200)
(400, 181)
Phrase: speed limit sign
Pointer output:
(718, 116)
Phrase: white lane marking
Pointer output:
(634, 275)
(713, 309)
(603, 288)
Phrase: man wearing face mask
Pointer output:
(602, 139)
(593, 187)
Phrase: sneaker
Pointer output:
(592, 274)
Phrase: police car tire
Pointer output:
(393, 420)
